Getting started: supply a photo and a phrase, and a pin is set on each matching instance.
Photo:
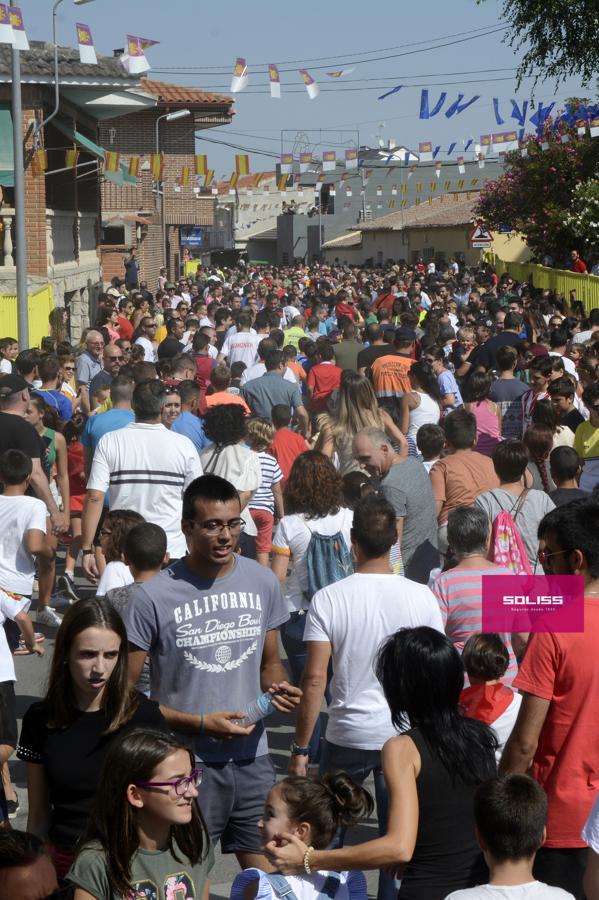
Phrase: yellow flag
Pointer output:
(71, 156)
(185, 175)
(111, 160)
(200, 164)
(242, 164)
(157, 166)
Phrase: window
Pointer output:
(113, 235)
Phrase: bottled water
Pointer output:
(258, 709)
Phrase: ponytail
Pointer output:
(327, 804)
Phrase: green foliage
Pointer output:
(542, 194)
(559, 36)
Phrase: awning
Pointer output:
(120, 219)
(119, 178)
(7, 163)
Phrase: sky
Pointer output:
(200, 41)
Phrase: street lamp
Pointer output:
(167, 117)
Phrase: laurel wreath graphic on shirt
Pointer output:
(218, 667)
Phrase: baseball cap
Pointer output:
(12, 384)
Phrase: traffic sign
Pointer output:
(480, 238)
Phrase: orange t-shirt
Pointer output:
(222, 398)
(459, 478)
(564, 669)
(390, 375)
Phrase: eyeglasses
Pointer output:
(113, 358)
(543, 556)
(214, 528)
(95, 343)
(179, 785)
(68, 368)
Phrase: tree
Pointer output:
(539, 194)
(560, 37)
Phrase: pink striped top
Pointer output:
(459, 595)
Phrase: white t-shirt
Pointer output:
(568, 364)
(533, 890)
(150, 354)
(259, 369)
(292, 538)
(239, 465)
(5, 366)
(355, 616)
(590, 832)
(116, 574)
(503, 725)
(242, 347)
(146, 467)
(9, 609)
(18, 515)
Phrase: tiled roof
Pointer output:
(246, 181)
(444, 211)
(178, 93)
(39, 61)
(352, 239)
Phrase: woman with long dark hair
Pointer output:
(431, 772)
(65, 737)
(146, 831)
(475, 393)
(422, 405)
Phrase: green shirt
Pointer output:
(293, 335)
(155, 875)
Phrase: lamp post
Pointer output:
(167, 117)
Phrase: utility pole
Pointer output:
(19, 188)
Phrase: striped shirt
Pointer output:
(271, 474)
(459, 594)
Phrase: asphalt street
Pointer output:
(32, 674)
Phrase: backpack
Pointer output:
(507, 547)
(283, 890)
(328, 560)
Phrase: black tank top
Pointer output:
(446, 856)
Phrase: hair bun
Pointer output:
(350, 801)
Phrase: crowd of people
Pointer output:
(328, 460)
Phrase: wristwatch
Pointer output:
(296, 750)
(87, 552)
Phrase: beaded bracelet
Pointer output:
(307, 868)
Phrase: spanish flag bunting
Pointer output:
(71, 156)
(404, 203)
(392, 203)
(404, 189)
(208, 177)
(447, 185)
(134, 166)
(455, 198)
(474, 182)
(461, 184)
(200, 164)
(39, 162)
(111, 160)
(419, 187)
(430, 201)
(257, 179)
(184, 175)
(233, 181)
(242, 164)
(468, 195)
(157, 166)
(418, 201)
(282, 183)
(433, 187)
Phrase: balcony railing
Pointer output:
(69, 235)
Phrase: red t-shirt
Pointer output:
(204, 367)
(325, 378)
(345, 309)
(287, 445)
(579, 266)
(125, 329)
(564, 669)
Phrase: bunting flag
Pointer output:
(286, 163)
(156, 166)
(134, 60)
(275, 81)
(418, 201)
(233, 182)
(351, 158)
(430, 201)
(461, 166)
(39, 162)
(242, 164)
(112, 160)
(391, 204)
(134, 166)
(17, 25)
(447, 185)
(461, 184)
(214, 190)
(6, 33)
(438, 170)
(404, 203)
(348, 191)
(208, 177)
(433, 187)
(282, 184)
(474, 182)
(581, 127)
(545, 144)
(310, 85)
(594, 127)
(419, 187)
(339, 73)
(393, 190)
(300, 191)
(87, 52)
(485, 143)
(332, 191)
(329, 160)
(404, 189)
(185, 170)
(379, 190)
(425, 151)
(481, 160)
(200, 164)
(70, 158)
(523, 148)
(511, 141)
(240, 78)
(256, 179)
(322, 178)
(304, 162)
(411, 172)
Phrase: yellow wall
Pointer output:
(40, 306)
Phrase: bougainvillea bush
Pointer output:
(543, 194)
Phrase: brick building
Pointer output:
(131, 214)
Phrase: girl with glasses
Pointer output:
(146, 836)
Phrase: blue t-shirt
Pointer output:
(193, 428)
(57, 401)
(448, 385)
(99, 425)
